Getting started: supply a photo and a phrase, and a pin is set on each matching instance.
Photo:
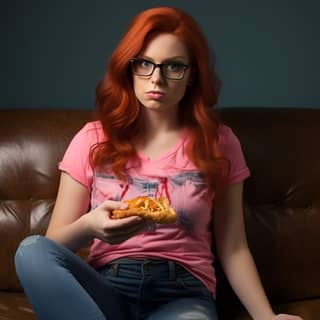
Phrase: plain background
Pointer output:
(54, 52)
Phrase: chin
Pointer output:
(158, 105)
(154, 105)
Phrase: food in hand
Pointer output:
(156, 209)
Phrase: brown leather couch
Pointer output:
(282, 199)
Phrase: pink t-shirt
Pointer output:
(189, 240)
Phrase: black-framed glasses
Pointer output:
(172, 70)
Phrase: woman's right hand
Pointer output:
(74, 227)
(113, 231)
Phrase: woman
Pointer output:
(155, 135)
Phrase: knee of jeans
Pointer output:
(27, 250)
(186, 309)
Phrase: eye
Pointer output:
(144, 63)
(174, 66)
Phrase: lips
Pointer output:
(156, 95)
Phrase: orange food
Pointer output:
(156, 209)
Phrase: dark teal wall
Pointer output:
(53, 52)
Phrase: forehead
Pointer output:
(165, 46)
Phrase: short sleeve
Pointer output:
(75, 161)
(230, 147)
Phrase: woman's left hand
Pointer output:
(287, 317)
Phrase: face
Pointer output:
(155, 91)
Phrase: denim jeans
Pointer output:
(60, 285)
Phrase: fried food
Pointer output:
(156, 209)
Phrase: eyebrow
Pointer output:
(167, 59)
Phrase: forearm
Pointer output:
(73, 236)
(242, 274)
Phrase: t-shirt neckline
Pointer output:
(166, 154)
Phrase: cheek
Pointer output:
(137, 88)
(179, 88)
(179, 91)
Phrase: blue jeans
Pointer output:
(60, 285)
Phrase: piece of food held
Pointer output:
(156, 209)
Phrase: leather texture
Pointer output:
(281, 199)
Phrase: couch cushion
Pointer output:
(282, 197)
(15, 306)
(32, 142)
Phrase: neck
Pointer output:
(159, 132)
(155, 123)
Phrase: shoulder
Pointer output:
(91, 133)
(92, 128)
(229, 146)
(227, 138)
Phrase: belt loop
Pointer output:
(115, 267)
(172, 271)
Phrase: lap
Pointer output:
(167, 303)
(161, 291)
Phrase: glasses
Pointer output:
(172, 70)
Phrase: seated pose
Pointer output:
(156, 145)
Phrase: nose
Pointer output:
(157, 75)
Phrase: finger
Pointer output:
(111, 205)
(124, 224)
(120, 237)
(131, 229)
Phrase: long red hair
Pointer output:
(118, 108)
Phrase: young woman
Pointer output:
(156, 135)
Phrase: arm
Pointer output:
(235, 257)
(72, 226)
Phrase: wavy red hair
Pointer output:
(118, 108)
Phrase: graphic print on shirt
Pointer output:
(186, 191)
